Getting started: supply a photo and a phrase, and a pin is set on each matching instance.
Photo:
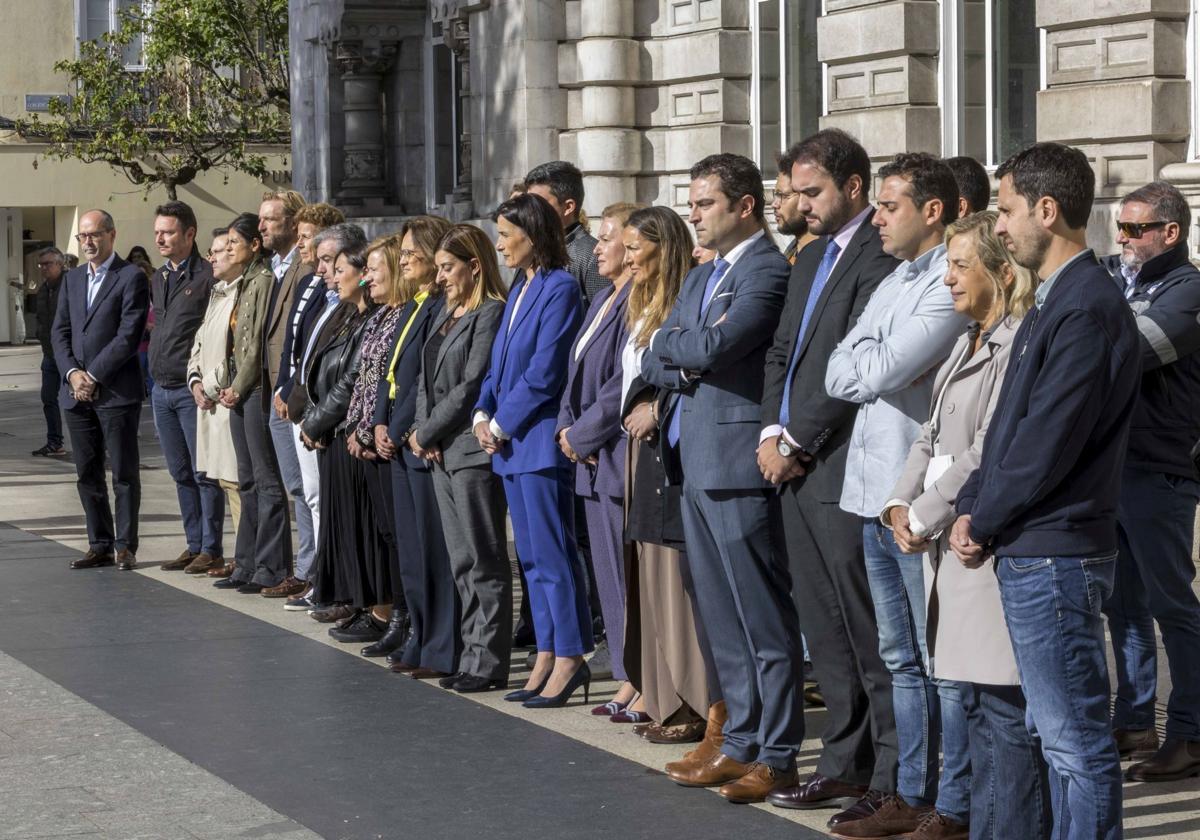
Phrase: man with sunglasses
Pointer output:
(1159, 492)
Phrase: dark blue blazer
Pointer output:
(103, 340)
(400, 414)
(722, 408)
(591, 403)
(524, 383)
(309, 303)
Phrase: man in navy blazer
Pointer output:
(101, 315)
(710, 352)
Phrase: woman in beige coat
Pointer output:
(971, 657)
(208, 373)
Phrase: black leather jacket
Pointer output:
(331, 374)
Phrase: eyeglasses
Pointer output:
(784, 195)
(88, 237)
(408, 255)
(1136, 230)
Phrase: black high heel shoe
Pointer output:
(582, 677)
(523, 694)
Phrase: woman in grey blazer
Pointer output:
(971, 657)
(470, 496)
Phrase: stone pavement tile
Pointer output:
(46, 812)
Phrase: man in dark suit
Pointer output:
(709, 352)
(97, 328)
(804, 449)
(52, 266)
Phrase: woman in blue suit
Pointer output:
(515, 422)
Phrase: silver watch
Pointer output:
(784, 448)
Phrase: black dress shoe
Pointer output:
(364, 628)
(870, 802)
(1175, 759)
(448, 682)
(126, 560)
(397, 629)
(473, 684)
(817, 791)
(228, 583)
(251, 588)
(92, 560)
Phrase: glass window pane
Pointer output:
(803, 70)
(1017, 76)
(97, 19)
(972, 82)
(768, 83)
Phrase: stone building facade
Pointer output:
(406, 105)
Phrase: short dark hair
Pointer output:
(738, 176)
(1054, 171)
(973, 182)
(1168, 203)
(783, 162)
(562, 177)
(837, 153)
(930, 178)
(220, 231)
(534, 215)
(178, 210)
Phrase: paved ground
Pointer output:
(150, 705)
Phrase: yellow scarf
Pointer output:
(419, 299)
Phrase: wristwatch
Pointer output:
(784, 448)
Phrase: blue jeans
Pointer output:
(51, 383)
(1155, 516)
(201, 500)
(1052, 608)
(897, 583)
(1010, 794)
(283, 439)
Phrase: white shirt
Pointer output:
(280, 265)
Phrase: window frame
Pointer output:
(785, 139)
(114, 6)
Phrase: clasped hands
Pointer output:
(777, 469)
(488, 442)
(906, 540)
(83, 387)
(569, 451)
(970, 553)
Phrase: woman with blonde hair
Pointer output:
(470, 497)
(970, 655)
(665, 653)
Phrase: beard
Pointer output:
(1030, 251)
(792, 227)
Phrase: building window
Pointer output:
(786, 84)
(99, 17)
(990, 78)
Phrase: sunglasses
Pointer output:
(1136, 230)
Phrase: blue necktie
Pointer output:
(720, 266)
(814, 294)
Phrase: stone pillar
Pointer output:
(1116, 87)
(362, 64)
(882, 77)
(458, 39)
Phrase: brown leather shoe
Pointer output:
(222, 571)
(92, 560)
(894, 817)
(426, 674)
(202, 562)
(338, 612)
(403, 668)
(179, 563)
(760, 781)
(937, 826)
(1176, 759)
(714, 735)
(126, 561)
(286, 589)
(868, 804)
(684, 733)
(718, 770)
(813, 698)
(1135, 741)
(817, 791)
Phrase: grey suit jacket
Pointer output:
(454, 385)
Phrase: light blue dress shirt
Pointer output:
(887, 363)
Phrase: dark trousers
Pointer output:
(377, 475)
(824, 544)
(739, 569)
(201, 500)
(423, 569)
(264, 537)
(112, 432)
(51, 382)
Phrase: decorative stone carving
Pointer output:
(362, 64)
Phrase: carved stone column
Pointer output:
(362, 64)
(458, 39)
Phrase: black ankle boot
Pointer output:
(392, 638)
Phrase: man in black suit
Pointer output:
(803, 448)
(97, 327)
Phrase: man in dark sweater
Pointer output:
(1159, 490)
(1043, 501)
(51, 264)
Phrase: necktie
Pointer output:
(720, 267)
(814, 294)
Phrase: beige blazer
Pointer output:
(965, 628)
(209, 365)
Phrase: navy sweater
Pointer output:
(1050, 473)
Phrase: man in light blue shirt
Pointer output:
(886, 365)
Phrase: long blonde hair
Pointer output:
(1015, 298)
(466, 243)
(651, 301)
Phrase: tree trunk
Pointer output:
(170, 185)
